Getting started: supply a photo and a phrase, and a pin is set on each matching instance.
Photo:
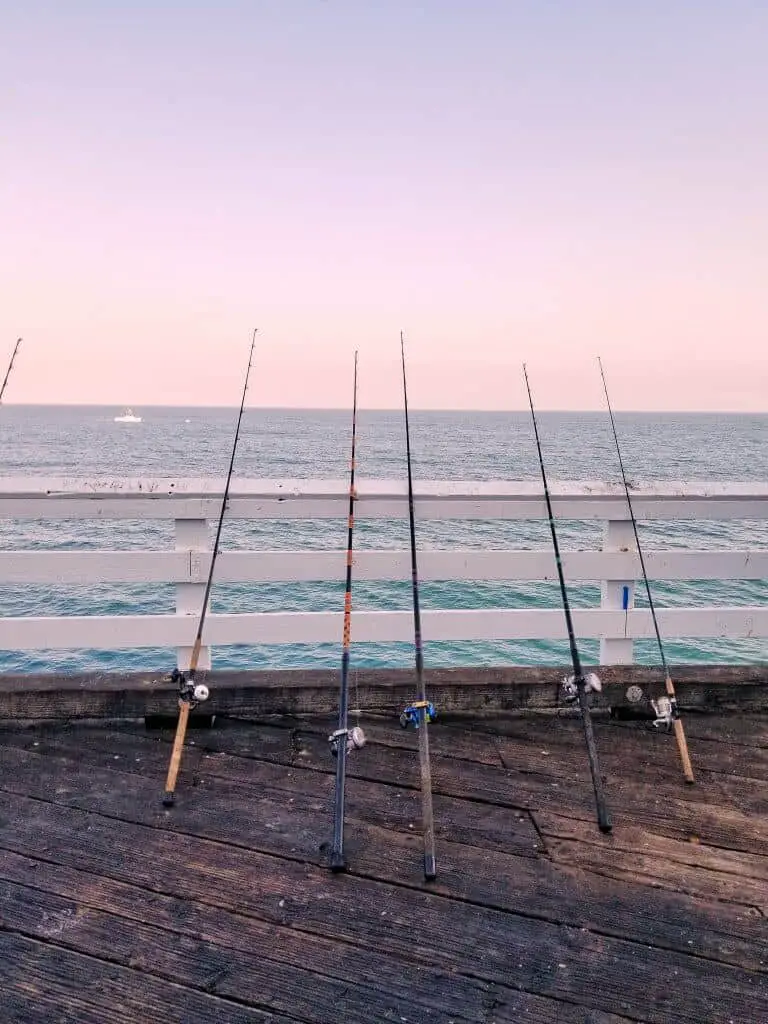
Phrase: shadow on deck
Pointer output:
(113, 909)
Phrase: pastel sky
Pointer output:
(502, 179)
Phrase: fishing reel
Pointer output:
(190, 692)
(570, 687)
(355, 739)
(665, 710)
(410, 715)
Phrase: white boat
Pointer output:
(126, 416)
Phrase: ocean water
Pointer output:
(172, 442)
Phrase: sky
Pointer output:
(504, 181)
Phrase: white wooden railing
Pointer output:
(191, 503)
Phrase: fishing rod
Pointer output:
(665, 708)
(191, 693)
(579, 683)
(10, 367)
(421, 711)
(344, 740)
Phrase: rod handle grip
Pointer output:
(178, 746)
(682, 746)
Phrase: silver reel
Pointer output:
(664, 711)
(190, 692)
(592, 684)
(355, 739)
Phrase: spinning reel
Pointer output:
(570, 688)
(410, 715)
(190, 692)
(665, 710)
(355, 739)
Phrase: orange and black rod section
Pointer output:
(603, 815)
(427, 816)
(338, 858)
(186, 692)
(682, 744)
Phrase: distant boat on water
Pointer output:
(127, 416)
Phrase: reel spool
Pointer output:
(355, 739)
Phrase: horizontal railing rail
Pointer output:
(97, 566)
(165, 498)
(192, 503)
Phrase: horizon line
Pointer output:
(374, 408)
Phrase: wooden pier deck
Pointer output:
(113, 909)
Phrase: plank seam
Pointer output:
(411, 887)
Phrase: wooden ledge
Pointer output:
(98, 695)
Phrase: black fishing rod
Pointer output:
(10, 367)
(579, 680)
(344, 740)
(190, 693)
(422, 711)
(666, 709)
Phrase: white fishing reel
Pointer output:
(592, 684)
(355, 739)
(190, 692)
(664, 710)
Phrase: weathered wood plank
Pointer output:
(567, 964)
(732, 864)
(732, 730)
(287, 944)
(298, 825)
(470, 822)
(638, 866)
(300, 691)
(641, 743)
(42, 982)
(368, 986)
(562, 784)
(666, 808)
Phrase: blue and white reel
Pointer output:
(411, 716)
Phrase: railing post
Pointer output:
(620, 594)
(191, 536)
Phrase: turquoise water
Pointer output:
(52, 441)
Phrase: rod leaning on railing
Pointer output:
(579, 678)
(344, 740)
(672, 713)
(422, 707)
(189, 693)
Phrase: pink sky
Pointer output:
(501, 181)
